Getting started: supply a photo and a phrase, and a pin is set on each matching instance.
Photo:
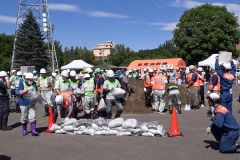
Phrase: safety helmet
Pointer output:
(4, 73)
(13, 71)
(19, 73)
(200, 69)
(59, 99)
(191, 67)
(214, 96)
(29, 76)
(145, 70)
(150, 70)
(97, 70)
(1, 74)
(130, 71)
(54, 74)
(86, 76)
(89, 70)
(227, 66)
(64, 73)
(110, 73)
(73, 73)
(43, 71)
(34, 71)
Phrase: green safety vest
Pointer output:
(74, 83)
(173, 87)
(64, 83)
(25, 96)
(43, 83)
(112, 85)
(88, 88)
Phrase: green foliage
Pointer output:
(206, 30)
(6, 45)
(30, 46)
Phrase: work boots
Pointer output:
(4, 124)
(33, 129)
(24, 129)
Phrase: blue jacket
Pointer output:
(225, 83)
(224, 119)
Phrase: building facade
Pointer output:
(102, 51)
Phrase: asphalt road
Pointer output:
(195, 144)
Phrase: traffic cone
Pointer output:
(174, 129)
(50, 118)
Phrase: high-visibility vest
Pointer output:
(216, 87)
(147, 82)
(111, 85)
(229, 76)
(88, 87)
(74, 84)
(26, 96)
(66, 98)
(201, 80)
(43, 83)
(99, 88)
(196, 83)
(158, 83)
(189, 77)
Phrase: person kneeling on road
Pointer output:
(224, 127)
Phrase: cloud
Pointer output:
(103, 14)
(7, 19)
(63, 7)
(164, 26)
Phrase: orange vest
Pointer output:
(66, 96)
(216, 87)
(98, 89)
(158, 83)
(201, 80)
(196, 83)
(229, 76)
(147, 82)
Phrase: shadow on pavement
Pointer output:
(3, 157)
(15, 125)
(213, 144)
(42, 129)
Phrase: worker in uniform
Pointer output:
(148, 88)
(74, 83)
(227, 73)
(35, 75)
(158, 90)
(178, 76)
(108, 87)
(64, 96)
(193, 81)
(224, 127)
(44, 87)
(12, 82)
(28, 111)
(17, 81)
(173, 98)
(201, 84)
(88, 90)
(4, 102)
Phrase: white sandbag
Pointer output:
(89, 131)
(144, 128)
(75, 129)
(118, 92)
(120, 129)
(225, 57)
(95, 127)
(111, 132)
(105, 128)
(81, 128)
(124, 134)
(136, 131)
(61, 131)
(33, 97)
(83, 122)
(102, 105)
(68, 128)
(129, 123)
(116, 122)
(161, 130)
(103, 132)
(152, 125)
(154, 131)
(70, 133)
(68, 122)
(100, 122)
(79, 132)
(54, 127)
(147, 134)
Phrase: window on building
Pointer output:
(164, 63)
(152, 64)
(158, 63)
(145, 64)
(140, 64)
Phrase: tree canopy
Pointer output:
(206, 30)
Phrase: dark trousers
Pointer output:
(4, 107)
(148, 97)
(201, 92)
(226, 100)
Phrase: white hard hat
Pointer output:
(227, 65)
(144, 69)
(59, 99)
(214, 96)
(29, 76)
(34, 71)
(191, 67)
(54, 74)
(110, 73)
(86, 75)
(19, 73)
(13, 71)
(43, 71)
(1, 74)
(24, 74)
(150, 70)
(73, 73)
(130, 70)
(89, 70)
(200, 69)
(4, 73)
(65, 73)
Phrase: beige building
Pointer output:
(102, 51)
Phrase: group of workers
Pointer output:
(65, 93)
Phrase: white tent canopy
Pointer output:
(76, 64)
(210, 61)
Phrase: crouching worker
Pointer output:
(64, 103)
(224, 126)
(108, 87)
(174, 100)
(88, 89)
(28, 111)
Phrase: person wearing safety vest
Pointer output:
(173, 98)
(99, 83)
(17, 81)
(158, 89)
(172, 75)
(201, 84)
(227, 73)
(178, 76)
(75, 86)
(28, 111)
(35, 75)
(4, 101)
(64, 96)
(224, 126)
(88, 90)
(193, 81)
(12, 82)
(148, 87)
(108, 87)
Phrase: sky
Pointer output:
(138, 24)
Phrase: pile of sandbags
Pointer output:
(115, 127)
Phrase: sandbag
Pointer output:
(116, 123)
(147, 134)
(81, 128)
(103, 132)
(95, 127)
(61, 131)
(129, 123)
(83, 122)
(89, 131)
(79, 132)
(100, 122)
(111, 132)
(68, 122)
(144, 128)
(102, 105)
(118, 92)
(33, 97)
(124, 134)
(161, 130)
(68, 128)
(54, 127)
(136, 131)
(152, 125)
(154, 131)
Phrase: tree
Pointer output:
(6, 45)
(30, 46)
(206, 30)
